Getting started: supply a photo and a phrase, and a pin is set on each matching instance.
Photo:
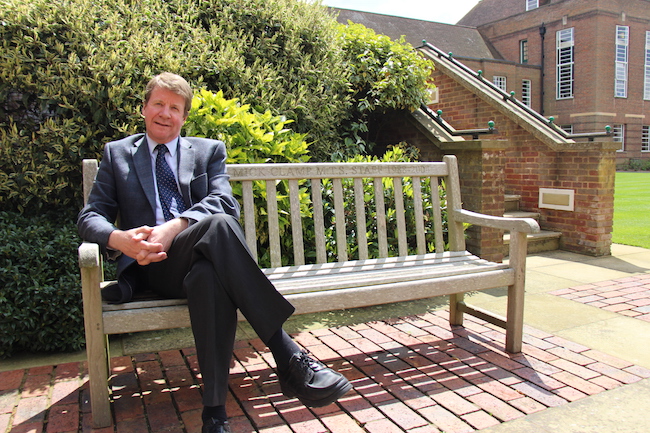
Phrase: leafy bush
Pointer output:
(635, 164)
(385, 75)
(72, 75)
(251, 137)
(40, 289)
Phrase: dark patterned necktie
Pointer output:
(167, 188)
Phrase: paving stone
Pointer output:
(415, 375)
(496, 407)
(480, 419)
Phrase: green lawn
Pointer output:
(632, 209)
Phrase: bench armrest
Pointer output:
(524, 225)
(89, 255)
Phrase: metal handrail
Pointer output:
(458, 132)
(511, 97)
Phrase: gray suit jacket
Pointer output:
(123, 195)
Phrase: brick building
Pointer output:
(594, 59)
(566, 181)
(584, 63)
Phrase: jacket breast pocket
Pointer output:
(199, 187)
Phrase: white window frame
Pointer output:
(564, 61)
(523, 51)
(532, 4)
(567, 128)
(501, 82)
(526, 88)
(646, 84)
(621, 61)
(618, 132)
(645, 138)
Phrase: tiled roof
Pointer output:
(461, 40)
(487, 11)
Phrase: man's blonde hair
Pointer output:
(171, 82)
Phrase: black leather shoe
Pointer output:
(215, 426)
(313, 383)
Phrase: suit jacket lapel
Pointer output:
(142, 163)
(185, 169)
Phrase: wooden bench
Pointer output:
(386, 215)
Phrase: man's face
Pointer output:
(164, 115)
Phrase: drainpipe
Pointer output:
(542, 32)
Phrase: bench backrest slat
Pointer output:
(360, 210)
(296, 223)
(248, 204)
(419, 215)
(437, 218)
(380, 209)
(319, 220)
(274, 226)
(401, 219)
(339, 220)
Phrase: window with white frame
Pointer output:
(500, 82)
(618, 132)
(532, 4)
(564, 63)
(645, 139)
(646, 85)
(567, 128)
(523, 51)
(525, 92)
(622, 43)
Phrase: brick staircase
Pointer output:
(545, 240)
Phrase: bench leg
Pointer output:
(96, 347)
(516, 292)
(98, 384)
(455, 313)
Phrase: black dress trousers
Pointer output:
(210, 264)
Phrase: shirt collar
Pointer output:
(172, 146)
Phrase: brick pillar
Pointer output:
(481, 169)
(590, 173)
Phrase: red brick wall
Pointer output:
(524, 166)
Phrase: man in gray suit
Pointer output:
(162, 206)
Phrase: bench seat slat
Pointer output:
(408, 263)
(329, 300)
(364, 278)
(146, 319)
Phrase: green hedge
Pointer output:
(72, 75)
(40, 290)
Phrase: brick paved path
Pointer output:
(415, 375)
(629, 296)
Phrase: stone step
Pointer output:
(522, 214)
(545, 240)
(511, 202)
